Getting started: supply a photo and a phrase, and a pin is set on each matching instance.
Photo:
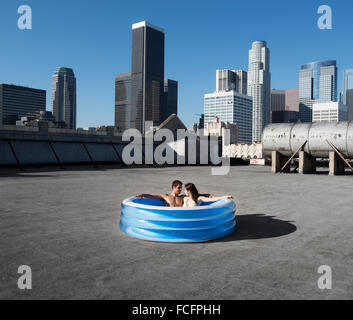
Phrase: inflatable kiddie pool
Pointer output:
(149, 219)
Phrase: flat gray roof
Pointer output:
(65, 225)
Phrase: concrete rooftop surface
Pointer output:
(64, 224)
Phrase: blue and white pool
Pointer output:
(151, 220)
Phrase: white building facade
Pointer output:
(329, 111)
(216, 127)
(233, 107)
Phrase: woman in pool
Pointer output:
(193, 198)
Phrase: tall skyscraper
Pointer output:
(147, 75)
(170, 99)
(123, 101)
(259, 87)
(227, 80)
(317, 83)
(17, 101)
(348, 91)
(64, 97)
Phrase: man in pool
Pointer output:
(174, 199)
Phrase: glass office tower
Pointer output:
(17, 101)
(170, 99)
(317, 83)
(123, 101)
(147, 75)
(64, 96)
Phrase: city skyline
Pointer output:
(104, 57)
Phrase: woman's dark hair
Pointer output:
(194, 193)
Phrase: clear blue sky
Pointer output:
(94, 38)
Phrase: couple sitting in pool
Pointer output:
(192, 198)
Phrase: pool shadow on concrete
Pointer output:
(259, 226)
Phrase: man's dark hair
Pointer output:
(176, 183)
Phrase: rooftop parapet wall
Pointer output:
(41, 146)
(55, 134)
(18, 128)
